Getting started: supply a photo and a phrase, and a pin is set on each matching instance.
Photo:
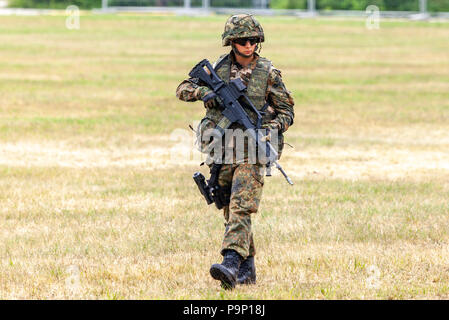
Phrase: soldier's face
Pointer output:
(247, 49)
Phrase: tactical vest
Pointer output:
(256, 88)
(256, 91)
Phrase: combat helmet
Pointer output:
(241, 26)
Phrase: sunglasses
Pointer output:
(242, 41)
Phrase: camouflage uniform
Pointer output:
(266, 90)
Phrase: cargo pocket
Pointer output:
(258, 172)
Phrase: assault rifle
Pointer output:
(232, 96)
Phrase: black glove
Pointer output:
(209, 100)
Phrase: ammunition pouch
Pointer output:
(205, 124)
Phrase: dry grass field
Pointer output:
(96, 190)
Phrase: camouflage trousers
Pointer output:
(246, 182)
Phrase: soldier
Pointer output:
(242, 182)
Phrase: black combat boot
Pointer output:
(247, 272)
(228, 270)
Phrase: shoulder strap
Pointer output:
(264, 64)
(258, 83)
(220, 61)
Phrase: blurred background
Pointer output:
(322, 6)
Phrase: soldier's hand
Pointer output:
(209, 100)
(272, 126)
(207, 96)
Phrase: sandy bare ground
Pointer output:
(345, 162)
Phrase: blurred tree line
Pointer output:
(384, 5)
(392, 5)
(54, 4)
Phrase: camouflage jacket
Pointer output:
(280, 101)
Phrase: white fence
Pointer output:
(258, 7)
